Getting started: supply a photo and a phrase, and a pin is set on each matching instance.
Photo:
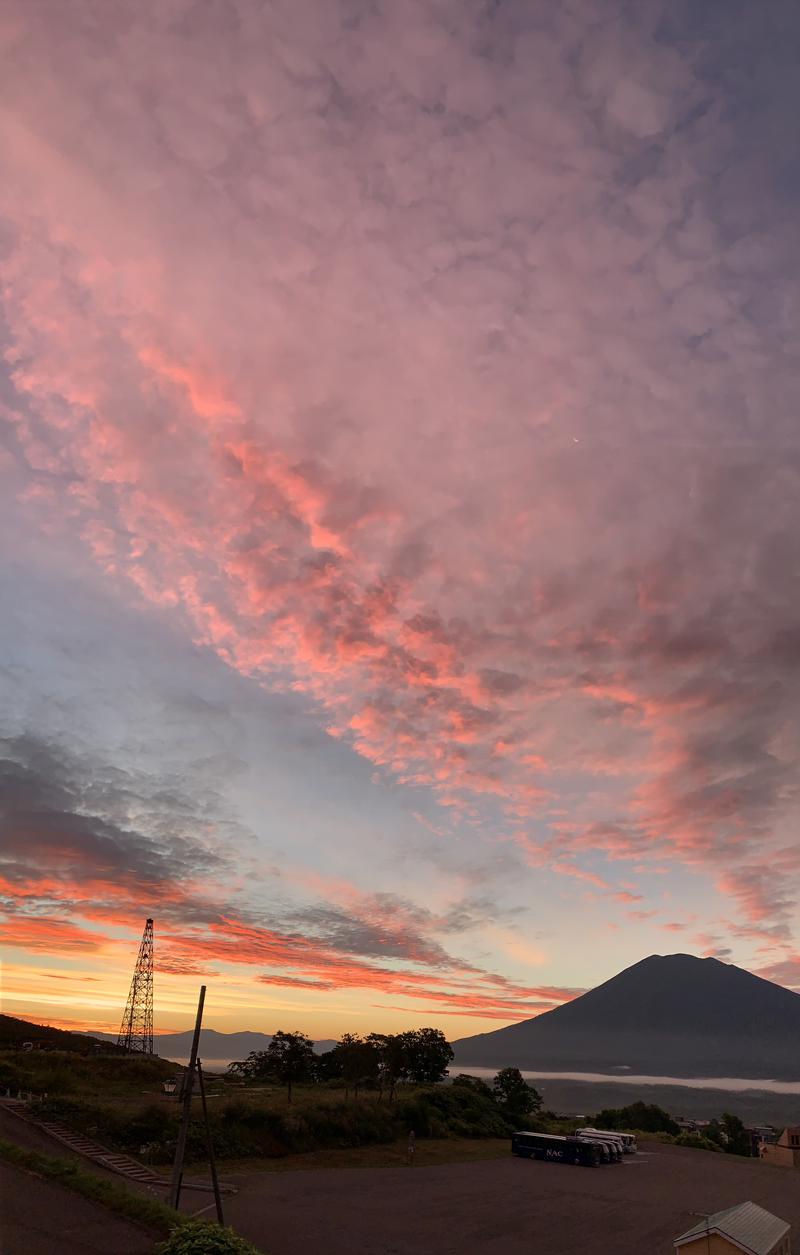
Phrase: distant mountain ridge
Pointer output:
(213, 1045)
(668, 1015)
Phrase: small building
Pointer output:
(746, 1227)
(785, 1153)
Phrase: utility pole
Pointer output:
(188, 1086)
(136, 1031)
(212, 1163)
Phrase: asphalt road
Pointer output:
(504, 1206)
(41, 1218)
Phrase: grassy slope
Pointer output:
(13, 1031)
(62, 1073)
(145, 1211)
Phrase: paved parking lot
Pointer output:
(504, 1206)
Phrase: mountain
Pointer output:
(213, 1045)
(669, 1015)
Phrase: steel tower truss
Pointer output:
(136, 1033)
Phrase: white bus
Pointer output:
(626, 1141)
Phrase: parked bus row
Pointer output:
(627, 1141)
(587, 1147)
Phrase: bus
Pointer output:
(627, 1140)
(610, 1148)
(555, 1148)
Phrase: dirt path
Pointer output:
(504, 1207)
(40, 1218)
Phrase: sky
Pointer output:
(399, 503)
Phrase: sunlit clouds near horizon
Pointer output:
(400, 493)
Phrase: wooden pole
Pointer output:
(188, 1086)
(210, 1144)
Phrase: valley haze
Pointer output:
(668, 1019)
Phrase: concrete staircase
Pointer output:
(123, 1165)
(114, 1161)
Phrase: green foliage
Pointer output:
(696, 1142)
(198, 1237)
(244, 1129)
(58, 1072)
(734, 1136)
(359, 1060)
(515, 1095)
(474, 1083)
(289, 1058)
(454, 1111)
(418, 1055)
(392, 1059)
(428, 1053)
(328, 1067)
(638, 1115)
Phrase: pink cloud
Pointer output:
(331, 356)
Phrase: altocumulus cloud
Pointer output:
(69, 867)
(442, 358)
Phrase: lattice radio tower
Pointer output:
(136, 1033)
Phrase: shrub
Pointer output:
(696, 1142)
(474, 1083)
(242, 1128)
(198, 1237)
(639, 1115)
(454, 1110)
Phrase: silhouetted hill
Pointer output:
(669, 1015)
(14, 1032)
(214, 1045)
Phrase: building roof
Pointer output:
(747, 1225)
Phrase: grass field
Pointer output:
(121, 1104)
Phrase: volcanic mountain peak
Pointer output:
(674, 1015)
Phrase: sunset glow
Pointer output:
(400, 493)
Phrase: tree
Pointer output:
(734, 1135)
(289, 1059)
(514, 1093)
(473, 1083)
(646, 1117)
(392, 1055)
(328, 1066)
(713, 1131)
(428, 1053)
(254, 1068)
(359, 1061)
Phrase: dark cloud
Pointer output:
(386, 925)
(60, 818)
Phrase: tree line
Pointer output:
(379, 1061)
(728, 1133)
